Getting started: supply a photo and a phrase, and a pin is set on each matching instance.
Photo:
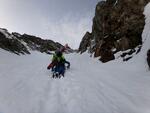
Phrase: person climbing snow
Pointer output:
(58, 64)
(66, 49)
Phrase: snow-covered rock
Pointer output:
(6, 33)
(23, 44)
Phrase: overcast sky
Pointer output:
(64, 21)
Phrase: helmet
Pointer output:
(58, 53)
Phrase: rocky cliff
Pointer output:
(117, 26)
(23, 44)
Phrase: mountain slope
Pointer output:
(88, 86)
(23, 44)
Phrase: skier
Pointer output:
(65, 48)
(58, 64)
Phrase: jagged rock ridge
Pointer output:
(117, 26)
(23, 44)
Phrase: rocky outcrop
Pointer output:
(38, 44)
(148, 58)
(12, 45)
(85, 42)
(117, 26)
(23, 44)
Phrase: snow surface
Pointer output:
(89, 86)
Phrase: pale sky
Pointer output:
(64, 21)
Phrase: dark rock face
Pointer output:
(106, 55)
(117, 25)
(148, 57)
(36, 43)
(85, 42)
(22, 44)
(12, 44)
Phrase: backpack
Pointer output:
(57, 58)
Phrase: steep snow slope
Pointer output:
(88, 87)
